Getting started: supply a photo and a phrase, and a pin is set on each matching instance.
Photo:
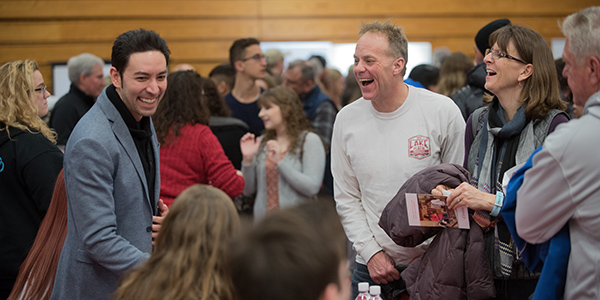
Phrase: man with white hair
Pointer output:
(87, 82)
(562, 186)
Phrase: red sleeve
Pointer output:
(220, 172)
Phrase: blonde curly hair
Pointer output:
(17, 99)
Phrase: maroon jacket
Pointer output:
(455, 266)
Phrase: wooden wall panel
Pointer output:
(200, 32)
(180, 51)
(414, 27)
(83, 31)
(383, 8)
(111, 9)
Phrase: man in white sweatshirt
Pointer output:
(381, 140)
(563, 184)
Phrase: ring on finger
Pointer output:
(457, 200)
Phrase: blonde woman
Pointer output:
(188, 262)
(29, 164)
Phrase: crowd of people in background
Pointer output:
(264, 179)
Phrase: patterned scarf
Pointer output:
(496, 154)
(272, 175)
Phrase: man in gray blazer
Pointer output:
(112, 173)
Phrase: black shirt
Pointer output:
(141, 133)
(67, 112)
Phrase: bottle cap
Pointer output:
(363, 287)
(374, 290)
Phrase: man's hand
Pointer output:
(163, 209)
(381, 268)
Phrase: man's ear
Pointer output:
(330, 293)
(115, 77)
(238, 65)
(526, 72)
(594, 65)
(222, 88)
(399, 65)
(82, 77)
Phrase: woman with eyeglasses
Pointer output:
(29, 164)
(525, 108)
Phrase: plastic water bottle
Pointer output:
(363, 291)
(375, 292)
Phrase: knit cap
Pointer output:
(482, 39)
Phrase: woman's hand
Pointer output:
(469, 196)
(439, 190)
(249, 145)
(274, 151)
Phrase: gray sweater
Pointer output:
(299, 177)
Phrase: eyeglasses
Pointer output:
(497, 54)
(256, 57)
(42, 89)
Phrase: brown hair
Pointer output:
(182, 104)
(189, 260)
(238, 49)
(37, 273)
(397, 41)
(292, 112)
(453, 73)
(216, 103)
(17, 103)
(540, 91)
(291, 254)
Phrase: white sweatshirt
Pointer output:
(374, 153)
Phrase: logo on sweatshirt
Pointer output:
(1, 165)
(419, 147)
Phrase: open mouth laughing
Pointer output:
(365, 81)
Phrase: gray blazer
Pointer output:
(109, 209)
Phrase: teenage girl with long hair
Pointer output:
(285, 166)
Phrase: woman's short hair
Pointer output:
(540, 91)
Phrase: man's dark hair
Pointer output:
(224, 72)
(291, 254)
(238, 49)
(427, 75)
(320, 58)
(134, 41)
